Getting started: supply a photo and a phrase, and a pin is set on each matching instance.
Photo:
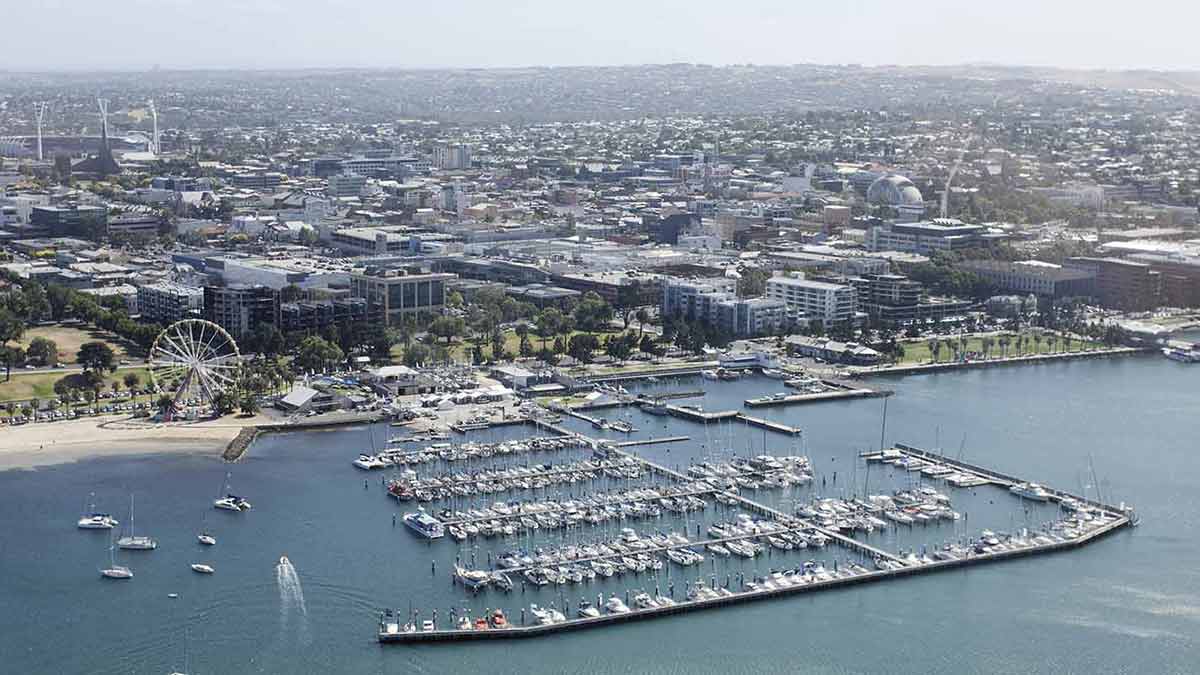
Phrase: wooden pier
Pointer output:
(652, 441)
(716, 416)
(797, 399)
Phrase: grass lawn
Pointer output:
(24, 386)
(70, 338)
(917, 351)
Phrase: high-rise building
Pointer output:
(452, 156)
(240, 309)
(167, 303)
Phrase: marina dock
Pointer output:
(716, 416)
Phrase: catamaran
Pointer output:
(94, 520)
(231, 502)
(132, 542)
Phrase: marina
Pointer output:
(810, 528)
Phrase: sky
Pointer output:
(271, 34)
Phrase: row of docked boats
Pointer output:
(931, 469)
(628, 542)
(510, 518)
(491, 481)
(447, 452)
(922, 505)
(763, 471)
(721, 374)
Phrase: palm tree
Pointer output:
(1051, 342)
(934, 348)
(165, 405)
(986, 345)
(643, 318)
(1037, 343)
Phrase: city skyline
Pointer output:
(226, 34)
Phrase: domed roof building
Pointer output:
(895, 191)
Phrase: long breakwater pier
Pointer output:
(1089, 520)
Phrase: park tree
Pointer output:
(316, 354)
(447, 327)
(582, 346)
(11, 329)
(592, 313)
(224, 403)
(416, 354)
(42, 351)
(96, 357)
(131, 380)
(248, 403)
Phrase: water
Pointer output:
(1130, 602)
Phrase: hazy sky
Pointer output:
(123, 34)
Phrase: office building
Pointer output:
(345, 185)
(1032, 276)
(925, 238)
(264, 180)
(1121, 284)
(81, 220)
(394, 292)
(814, 300)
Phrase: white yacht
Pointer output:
(587, 611)
(202, 568)
(708, 374)
(1031, 491)
(616, 606)
(425, 525)
(132, 542)
(206, 539)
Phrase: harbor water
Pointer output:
(1127, 603)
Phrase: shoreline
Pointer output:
(32, 446)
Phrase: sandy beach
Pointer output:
(33, 445)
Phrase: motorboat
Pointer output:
(1181, 355)
(428, 626)
(498, 619)
(206, 539)
(615, 605)
(774, 373)
(1031, 491)
(425, 525)
(709, 374)
(587, 611)
(644, 601)
(202, 568)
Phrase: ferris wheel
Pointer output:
(194, 359)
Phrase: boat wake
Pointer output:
(291, 600)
